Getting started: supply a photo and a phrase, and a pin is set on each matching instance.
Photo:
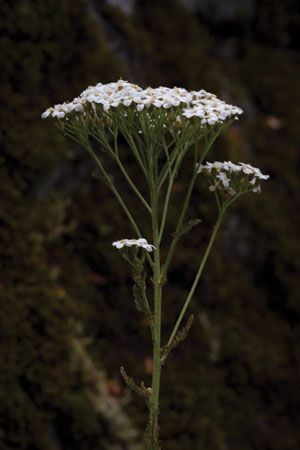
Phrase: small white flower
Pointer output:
(47, 113)
(257, 189)
(211, 120)
(60, 114)
(130, 242)
(79, 107)
(218, 165)
(127, 101)
(223, 177)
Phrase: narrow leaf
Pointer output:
(185, 228)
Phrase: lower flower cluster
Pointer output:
(232, 178)
(130, 242)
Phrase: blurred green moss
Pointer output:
(233, 382)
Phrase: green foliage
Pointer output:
(140, 390)
(178, 338)
(186, 227)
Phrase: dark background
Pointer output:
(67, 318)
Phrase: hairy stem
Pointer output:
(154, 409)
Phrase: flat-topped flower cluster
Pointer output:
(232, 178)
(191, 104)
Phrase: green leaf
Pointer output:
(178, 338)
(140, 390)
(141, 302)
(185, 228)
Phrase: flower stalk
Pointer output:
(194, 285)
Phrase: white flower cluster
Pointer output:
(232, 178)
(130, 242)
(210, 109)
(198, 104)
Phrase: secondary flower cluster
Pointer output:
(232, 178)
(130, 242)
(193, 104)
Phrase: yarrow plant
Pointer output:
(160, 126)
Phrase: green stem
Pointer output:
(170, 161)
(115, 155)
(182, 143)
(157, 314)
(132, 185)
(180, 220)
(207, 146)
(170, 185)
(130, 141)
(110, 184)
(196, 280)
